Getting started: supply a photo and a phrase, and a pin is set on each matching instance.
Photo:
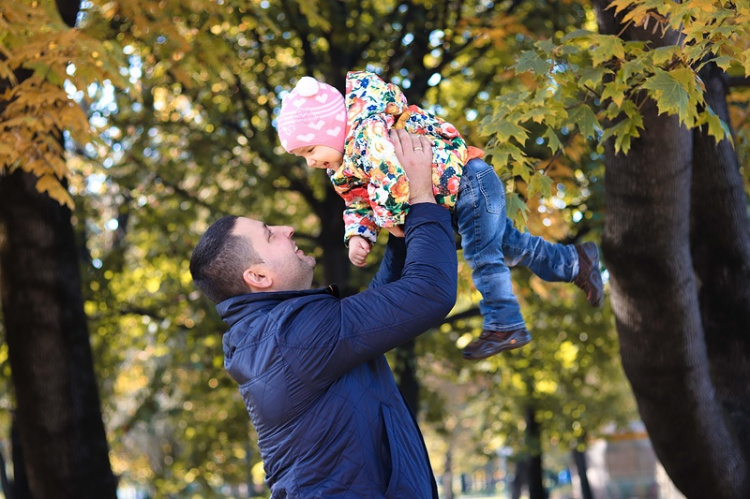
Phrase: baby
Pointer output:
(348, 137)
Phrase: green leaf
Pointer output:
(505, 152)
(724, 62)
(608, 46)
(630, 68)
(669, 94)
(685, 77)
(540, 184)
(717, 128)
(553, 142)
(530, 61)
(615, 91)
(545, 46)
(584, 118)
(516, 209)
(623, 131)
(505, 130)
(591, 76)
(662, 55)
(538, 114)
(579, 33)
(511, 100)
(521, 169)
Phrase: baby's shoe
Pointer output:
(589, 278)
(494, 342)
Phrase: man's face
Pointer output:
(288, 265)
(321, 157)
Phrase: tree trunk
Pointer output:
(20, 480)
(579, 458)
(336, 264)
(405, 373)
(534, 445)
(720, 243)
(59, 420)
(447, 477)
(520, 478)
(664, 315)
(61, 434)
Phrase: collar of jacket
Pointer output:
(233, 309)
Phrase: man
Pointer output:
(331, 422)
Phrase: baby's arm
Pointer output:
(358, 215)
(359, 248)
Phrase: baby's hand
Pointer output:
(359, 248)
(397, 230)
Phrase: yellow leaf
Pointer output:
(52, 186)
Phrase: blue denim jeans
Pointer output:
(491, 244)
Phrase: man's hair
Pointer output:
(219, 259)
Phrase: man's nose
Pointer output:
(288, 231)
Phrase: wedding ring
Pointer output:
(417, 148)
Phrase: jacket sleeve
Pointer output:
(356, 329)
(359, 219)
(392, 264)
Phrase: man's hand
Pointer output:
(359, 248)
(415, 154)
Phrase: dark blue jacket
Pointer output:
(331, 422)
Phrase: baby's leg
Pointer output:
(480, 220)
(553, 262)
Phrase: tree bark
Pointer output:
(335, 255)
(447, 477)
(520, 478)
(59, 420)
(534, 445)
(579, 458)
(666, 303)
(405, 373)
(720, 243)
(61, 435)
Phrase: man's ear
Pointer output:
(258, 278)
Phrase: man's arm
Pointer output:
(412, 152)
(361, 327)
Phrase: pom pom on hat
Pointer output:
(307, 86)
(313, 113)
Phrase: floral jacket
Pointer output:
(371, 180)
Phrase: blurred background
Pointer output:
(180, 98)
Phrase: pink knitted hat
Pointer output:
(313, 113)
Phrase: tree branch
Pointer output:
(738, 81)
(466, 314)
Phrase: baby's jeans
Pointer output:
(491, 244)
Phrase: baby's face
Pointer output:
(322, 157)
